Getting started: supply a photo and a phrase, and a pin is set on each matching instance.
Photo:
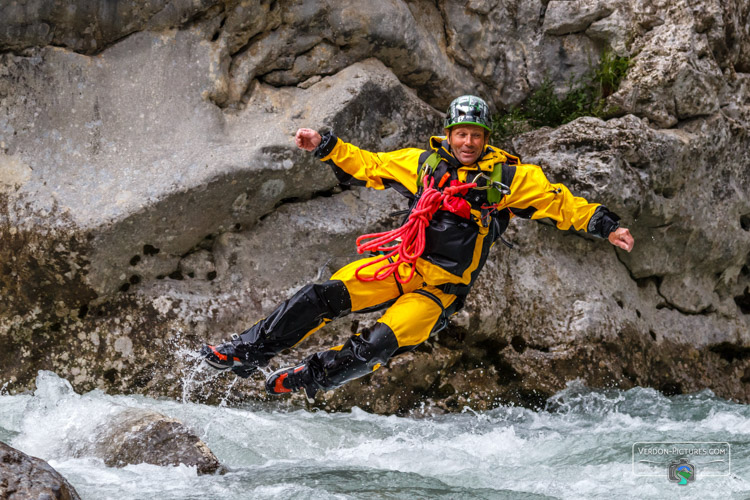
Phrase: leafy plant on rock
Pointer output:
(586, 96)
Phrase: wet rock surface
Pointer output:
(23, 477)
(151, 196)
(135, 436)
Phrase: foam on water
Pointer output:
(578, 447)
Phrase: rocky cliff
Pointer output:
(151, 196)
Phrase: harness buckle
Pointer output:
(489, 184)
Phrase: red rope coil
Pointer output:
(412, 235)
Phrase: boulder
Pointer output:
(118, 435)
(22, 477)
(135, 436)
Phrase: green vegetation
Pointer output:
(586, 96)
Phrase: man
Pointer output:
(457, 239)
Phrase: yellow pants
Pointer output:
(412, 316)
(413, 311)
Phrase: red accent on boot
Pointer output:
(279, 386)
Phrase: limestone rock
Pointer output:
(565, 17)
(677, 78)
(22, 477)
(638, 168)
(103, 245)
(88, 26)
(151, 197)
(135, 436)
(679, 56)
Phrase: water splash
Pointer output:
(223, 402)
(197, 379)
(191, 368)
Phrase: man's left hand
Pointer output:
(622, 238)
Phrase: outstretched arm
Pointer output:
(622, 238)
(355, 166)
(532, 196)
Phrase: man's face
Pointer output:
(467, 142)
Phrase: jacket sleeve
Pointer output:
(533, 196)
(375, 170)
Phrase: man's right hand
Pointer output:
(307, 139)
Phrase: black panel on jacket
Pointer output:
(450, 241)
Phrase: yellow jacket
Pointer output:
(456, 249)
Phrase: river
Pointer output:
(582, 445)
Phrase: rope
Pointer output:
(412, 235)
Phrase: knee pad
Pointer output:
(334, 295)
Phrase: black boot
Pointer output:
(288, 380)
(236, 355)
(360, 355)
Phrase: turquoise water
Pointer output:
(581, 446)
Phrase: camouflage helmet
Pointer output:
(468, 110)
